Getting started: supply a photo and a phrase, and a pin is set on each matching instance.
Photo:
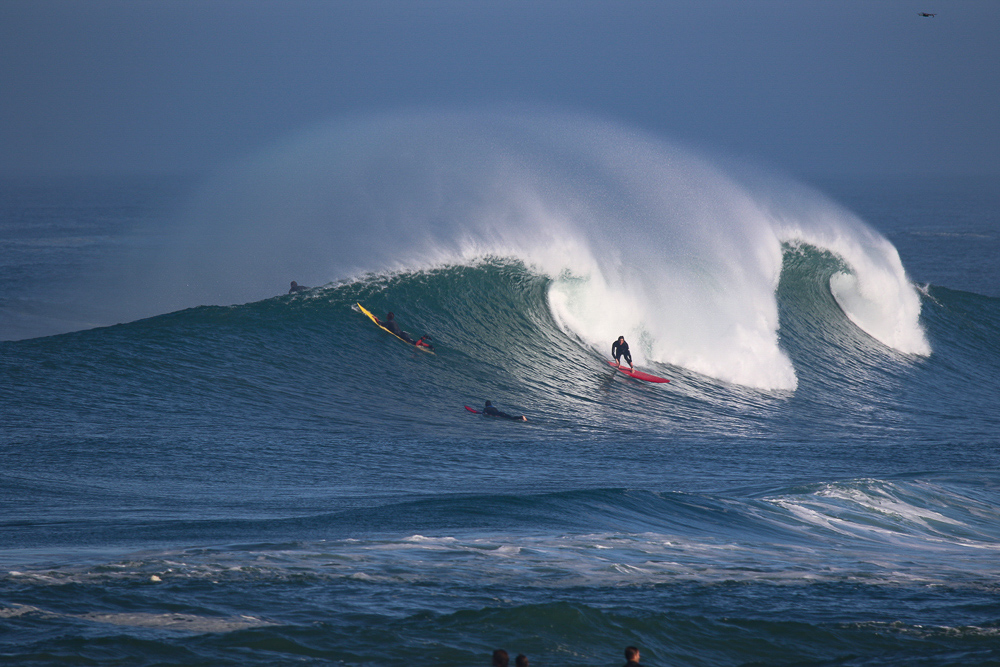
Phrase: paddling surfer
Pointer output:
(619, 349)
(393, 327)
(490, 410)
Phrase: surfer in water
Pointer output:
(297, 288)
(392, 325)
(619, 349)
(490, 410)
(632, 656)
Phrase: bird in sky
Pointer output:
(926, 14)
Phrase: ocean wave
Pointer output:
(878, 532)
(637, 236)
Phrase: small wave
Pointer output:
(873, 531)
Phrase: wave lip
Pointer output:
(872, 289)
(640, 238)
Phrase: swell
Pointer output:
(313, 357)
(559, 633)
(938, 529)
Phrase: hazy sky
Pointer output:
(814, 87)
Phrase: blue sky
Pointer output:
(813, 87)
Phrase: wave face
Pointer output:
(639, 238)
(498, 335)
(497, 331)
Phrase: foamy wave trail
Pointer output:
(639, 237)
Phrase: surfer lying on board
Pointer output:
(619, 349)
(393, 326)
(488, 409)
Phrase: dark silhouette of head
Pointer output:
(390, 316)
(500, 658)
(632, 654)
(521, 660)
(489, 404)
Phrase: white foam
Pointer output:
(874, 291)
(641, 238)
(185, 622)
(881, 512)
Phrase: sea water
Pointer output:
(232, 475)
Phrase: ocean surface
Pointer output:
(274, 481)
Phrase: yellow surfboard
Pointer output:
(374, 319)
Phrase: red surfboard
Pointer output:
(639, 375)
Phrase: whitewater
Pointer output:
(200, 468)
(641, 237)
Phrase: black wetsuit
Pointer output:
(619, 350)
(391, 325)
(493, 412)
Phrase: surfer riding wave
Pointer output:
(620, 349)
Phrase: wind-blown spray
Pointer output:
(639, 237)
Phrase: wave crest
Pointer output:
(640, 238)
